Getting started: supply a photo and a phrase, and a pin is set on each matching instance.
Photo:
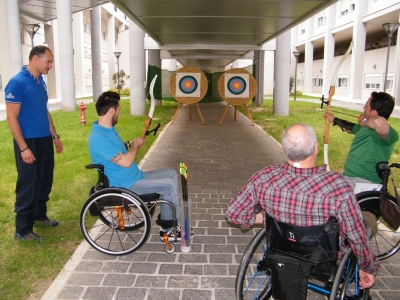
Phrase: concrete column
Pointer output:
(79, 53)
(14, 35)
(259, 62)
(329, 50)
(396, 79)
(53, 86)
(358, 51)
(155, 60)
(308, 57)
(137, 70)
(172, 64)
(66, 56)
(111, 49)
(97, 72)
(5, 53)
(282, 75)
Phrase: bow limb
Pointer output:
(328, 104)
(147, 122)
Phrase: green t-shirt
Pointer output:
(366, 150)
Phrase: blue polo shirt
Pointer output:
(31, 94)
(104, 144)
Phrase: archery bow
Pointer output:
(147, 122)
(328, 103)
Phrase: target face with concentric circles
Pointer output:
(236, 85)
(188, 84)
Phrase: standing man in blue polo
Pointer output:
(34, 134)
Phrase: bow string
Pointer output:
(328, 104)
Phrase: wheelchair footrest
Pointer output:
(166, 223)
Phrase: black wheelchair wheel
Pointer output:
(346, 283)
(253, 279)
(115, 221)
(386, 242)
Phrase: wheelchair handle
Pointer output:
(95, 166)
(395, 165)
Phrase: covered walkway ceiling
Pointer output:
(201, 33)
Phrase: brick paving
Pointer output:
(220, 159)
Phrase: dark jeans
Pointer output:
(34, 183)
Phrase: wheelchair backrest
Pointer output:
(315, 244)
(102, 181)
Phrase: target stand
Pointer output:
(188, 86)
(237, 87)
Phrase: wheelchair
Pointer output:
(386, 241)
(116, 221)
(288, 260)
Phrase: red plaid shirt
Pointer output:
(305, 197)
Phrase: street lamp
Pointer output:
(117, 55)
(296, 54)
(31, 29)
(390, 28)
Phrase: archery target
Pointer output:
(188, 84)
(237, 85)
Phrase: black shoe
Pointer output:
(30, 237)
(47, 223)
(171, 236)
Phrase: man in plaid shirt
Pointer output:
(302, 194)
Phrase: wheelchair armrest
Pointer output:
(332, 225)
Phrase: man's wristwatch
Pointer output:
(56, 136)
(363, 121)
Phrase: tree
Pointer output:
(122, 77)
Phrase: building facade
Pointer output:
(323, 39)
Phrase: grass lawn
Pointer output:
(28, 269)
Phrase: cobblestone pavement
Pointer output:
(220, 159)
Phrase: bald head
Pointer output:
(299, 142)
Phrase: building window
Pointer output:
(320, 82)
(84, 27)
(302, 28)
(347, 6)
(321, 19)
(389, 82)
(314, 81)
(300, 81)
(343, 82)
(103, 35)
(115, 8)
(1, 84)
(373, 82)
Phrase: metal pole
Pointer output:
(118, 75)
(295, 79)
(387, 62)
(32, 41)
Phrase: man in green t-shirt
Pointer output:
(374, 139)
